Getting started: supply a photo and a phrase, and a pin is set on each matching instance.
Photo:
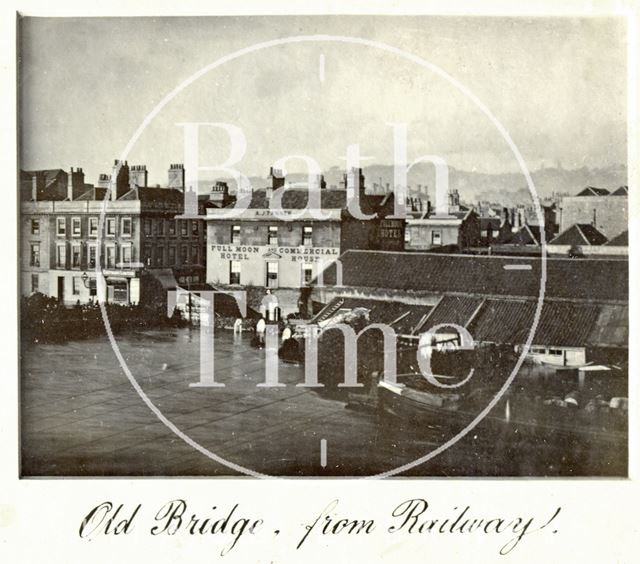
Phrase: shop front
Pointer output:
(122, 286)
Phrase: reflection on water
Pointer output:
(81, 416)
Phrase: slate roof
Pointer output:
(580, 234)
(561, 323)
(54, 186)
(526, 235)
(611, 328)
(494, 222)
(503, 321)
(579, 279)
(296, 199)
(330, 199)
(453, 309)
(149, 194)
(621, 240)
(93, 194)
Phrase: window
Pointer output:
(235, 235)
(538, 350)
(61, 256)
(172, 228)
(35, 227)
(34, 283)
(307, 272)
(194, 254)
(76, 256)
(159, 256)
(160, 227)
(111, 256)
(147, 254)
(75, 285)
(93, 287)
(234, 272)
(92, 256)
(93, 227)
(307, 236)
(436, 238)
(273, 235)
(126, 255)
(147, 227)
(184, 254)
(125, 227)
(172, 255)
(194, 227)
(111, 227)
(184, 227)
(272, 275)
(35, 254)
(555, 352)
(61, 226)
(76, 229)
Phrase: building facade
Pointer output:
(283, 254)
(607, 212)
(83, 248)
(458, 229)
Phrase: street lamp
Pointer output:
(85, 279)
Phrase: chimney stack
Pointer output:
(120, 179)
(176, 177)
(75, 183)
(70, 184)
(138, 176)
(34, 187)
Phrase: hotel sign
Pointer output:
(268, 214)
(295, 254)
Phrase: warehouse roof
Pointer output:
(578, 279)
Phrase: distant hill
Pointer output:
(505, 188)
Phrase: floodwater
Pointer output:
(81, 416)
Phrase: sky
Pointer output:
(558, 86)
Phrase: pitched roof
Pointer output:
(501, 320)
(580, 234)
(560, 323)
(93, 194)
(52, 184)
(526, 235)
(405, 316)
(593, 191)
(149, 194)
(493, 222)
(454, 309)
(330, 199)
(611, 328)
(621, 240)
(622, 191)
(579, 279)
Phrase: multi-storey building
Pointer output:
(457, 229)
(607, 212)
(283, 252)
(79, 246)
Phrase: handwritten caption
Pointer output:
(410, 517)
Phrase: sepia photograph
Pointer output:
(323, 246)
